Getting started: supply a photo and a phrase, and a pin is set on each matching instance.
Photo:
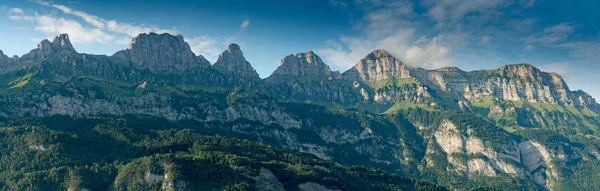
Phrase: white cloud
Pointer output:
(389, 25)
(338, 3)
(54, 25)
(134, 30)
(16, 11)
(91, 19)
(562, 68)
(582, 49)
(77, 32)
(109, 25)
(559, 36)
(553, 34)
(206, 46)
(245, 24)
(21, 18)
(424, 52)
(103, 30)
(451, 12)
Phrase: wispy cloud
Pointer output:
(338, 3)
(449, 13)
(52, 25)
(87, 28)
(550, 35)
(388, 25)
(560, 36)
(207, 46)
(245, 24)
(564, 68)
(109, 25)
(16, 11)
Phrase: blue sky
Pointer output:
(557, 36)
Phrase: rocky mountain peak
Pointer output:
(376, 66)
(61, 44)
(4, 60)
(62, 41)
(234, 48)
(379, 53)
(232, 61)
(160, 52)
(305, 64)
(525, 71)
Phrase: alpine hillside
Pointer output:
(155, 116)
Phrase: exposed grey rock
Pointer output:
(159, 53)
(378, 65)
(311, 186)
(6, 62)
(232, 61)
(305, 64)
(60, 45)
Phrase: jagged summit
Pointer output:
(304, 64)
(5, 61)
(160, 52)
(61, 44)
(376, 66)
(232, 61)
(379, 53)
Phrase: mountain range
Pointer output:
(511, 128)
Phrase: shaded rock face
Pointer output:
(378, 65)
(304, 77)
(6, 62)
(59, 45)
(305, 64)
(159, 53)
(232, 61)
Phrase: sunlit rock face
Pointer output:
(305, 64)
(378, 65)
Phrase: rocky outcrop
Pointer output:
(305, 64)
(304, 77)
(533, 159)
(7, 63)
(232, 61)
(159, 53)
(378, 65)
(267, 181)
(311, 186)
(539, 164)
(60, 45)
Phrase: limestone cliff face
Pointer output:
(304, 77)
(6, 62)
(469, 155)
(378, 65)
(305, 64)
(517, 82)
(232, 61)
(60, 45)
(160, 52)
